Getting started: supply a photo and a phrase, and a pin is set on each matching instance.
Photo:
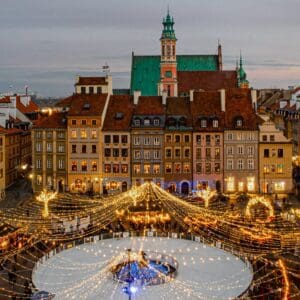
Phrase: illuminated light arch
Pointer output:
(261, 200)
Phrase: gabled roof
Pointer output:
(30, 108)
(145, 70)
(149, 105)
(55, 120)
(206, 80)
(119, 113)
(91, 81)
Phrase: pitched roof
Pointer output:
(55, 120)
(145, 70)
(149, 105)
(91, 81)
(84, 104)
(119, 113)
(205, 80)
(239, 104)
(12, 130)
(5, 100)
(30, 108)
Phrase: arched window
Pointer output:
(238, 121)
(146, 122)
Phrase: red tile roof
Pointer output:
(179, 106)
(149, 105)
(84, 104)
(30, 108)
(10, 130)
(119, 113)
(56, 120)
(91, 81)
(5, 100)
(205, 80)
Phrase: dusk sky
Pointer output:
(45, 43)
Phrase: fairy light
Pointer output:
(286, 280)
(45, 197)
(262, 200)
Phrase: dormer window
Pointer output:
(203, 123)
(119, 116)
(182, 121)
(147, 122)
(239, 122)
(137, 122)
(171, 122)
(215, 123)
(156, 122)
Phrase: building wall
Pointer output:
(241, 161)
(2, 166)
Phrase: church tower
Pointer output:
(242, 76)
(168, 64)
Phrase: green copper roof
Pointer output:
(145, 70)
(168, 31)
(242, 73)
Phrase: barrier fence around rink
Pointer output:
(154, 234)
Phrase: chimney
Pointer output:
(254, 99)
(136, 95)
(223, 95)
(191, 95)
(77, 78)
(164, 97)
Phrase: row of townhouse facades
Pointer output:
(107, 143)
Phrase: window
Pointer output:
(239, 122)
(107, 139)
(250, 150)
(83, 166)
(177, 138)
(215, 123)
(73, 134)
(146, 168)
(39, 179)
(107, 152)
(186, 168)
(168, 168)
(264, 138)
(229, 164)
(203, 123)
(217, 167)
(279, 186)
(280, 152)
(198, 168)
(115, 139)
(280, 168)
(38, 147)
(61, 135)
(168, 74)
(177, 168)
(240, 164)
(94, 122)
(74, 149)
(136, 140)
(198, 153)
(83, 122)
(186, 138)
(272, 138)
(94, 148)
(61, 148)
(207, 140)
(266, 153)
(116, 168)
(82, 89)
(156, 141)
(146, 154)
(91, 90)
(107, 168)
(186, 153)
(230, 184)
(137, 122)
(146, 122)
(177, 153)
(239, 136)
(146, 140)
(38, 163)
(49, 135)
(124, 168)
(115, 152)
(266, 169)
(99, 89)
(217, 153)
(156, 122)
(38, 134)
(73, 122)
(229, 136)
(83, 148)
(61, 164)
(49, 163)
(168, 138)
(198, 139)
(94, 134)
(207, 168)
(74, 166)
(137, 154)
(124, 139)
(156, 169)
(273, 168)
(250, 184)
(217, 140)
(208, 153)
(124, 152)
(273, 153)
(168, 152)
(137, 169)
(240, 149)
(250, 164)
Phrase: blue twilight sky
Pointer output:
(45, 43)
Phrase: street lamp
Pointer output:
(45, 197)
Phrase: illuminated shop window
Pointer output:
(241, 186)
(279, 186)
(230, 184)
(250, 184)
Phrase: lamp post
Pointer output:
(45, 197)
